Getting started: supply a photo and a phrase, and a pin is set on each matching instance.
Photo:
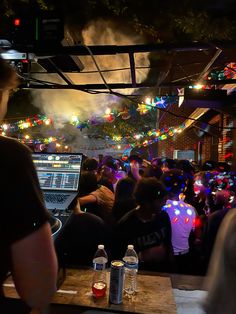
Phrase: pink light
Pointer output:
(175, 220)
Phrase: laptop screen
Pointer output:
(58, 171)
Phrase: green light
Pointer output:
(36, 29)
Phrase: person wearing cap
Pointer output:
(147, 227)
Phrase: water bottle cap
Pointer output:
(130, 247)
(101, 247)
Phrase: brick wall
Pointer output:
(226, 140)
(187, 140)
(207, 148)
(212, 147)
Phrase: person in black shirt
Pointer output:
(147, 227)
(26, 245)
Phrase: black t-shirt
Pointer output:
(213, 225)
(22, 205)
(81, 238)
(143, 235)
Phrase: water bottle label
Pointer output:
(99, 263)
(97, 266)
(131, 265)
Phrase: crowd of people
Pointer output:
(170, 210)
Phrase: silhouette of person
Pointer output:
(26, 245)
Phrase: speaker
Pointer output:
(204, 98)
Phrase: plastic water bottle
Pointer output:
(131, 268)
(99, 284)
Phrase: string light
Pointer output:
(25, 124)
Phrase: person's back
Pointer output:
(146, 227)
(23, 225)
(124, 198)
(214, 220)
(221, 278)
(27, 250)
(182, 216)
(81, 237)
(94, 198)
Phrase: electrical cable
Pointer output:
(174, 114)
(97, 66)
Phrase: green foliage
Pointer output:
(202, 26)
(125, 128)
(155, 20)
(20, 105)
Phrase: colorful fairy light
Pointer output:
(152, 136)
(25, 124)
(74, 120)
(117, 138)
(141, 139)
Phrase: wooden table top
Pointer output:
(154, 294)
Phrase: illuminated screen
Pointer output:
(58, 171)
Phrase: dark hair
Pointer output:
(88, 183)
(153, 172)
(90, 164)
(185, 165)
(209, 165)
(149, 190)
(135, 158)
(223, 166)
(175, 181)
(124, 188)
(124, 198)
(8, 76)
(110, 162)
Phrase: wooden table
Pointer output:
(154, 294)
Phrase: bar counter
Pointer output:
(154, 295)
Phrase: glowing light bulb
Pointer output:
(189, 212)
(198, 86)
(175, 203)
(148, 100)
(108, 111)
(25, 125)
(73, 118)
(177, 212)
(27, 136)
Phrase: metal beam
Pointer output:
(114, 49)
(59, 72)
(132, 69)
(120, 85)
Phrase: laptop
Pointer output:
(59, 175)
